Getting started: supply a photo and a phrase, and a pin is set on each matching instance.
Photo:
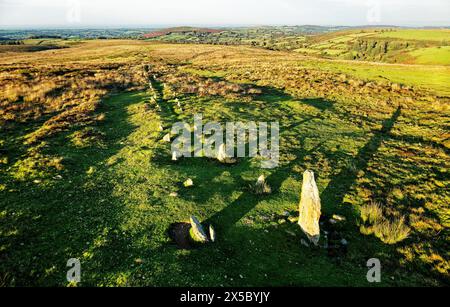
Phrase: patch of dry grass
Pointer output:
(388, 230)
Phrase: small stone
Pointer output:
(338, 218)
(188, 183)
(166, 138)
(261, 187)
(173, 194)
(37, 181)
(286, 214)
(197, 230)
(293, 219)
(212, 233)
(344, 242)
(223, 157)
(333, 221)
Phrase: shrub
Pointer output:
(389, 231)
(392, 231)
(371, 213)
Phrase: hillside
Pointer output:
(86, 171)
(389, 45)
(180, 30)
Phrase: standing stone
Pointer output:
(310, 208)
(197, 230)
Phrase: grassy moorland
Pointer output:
(387, 45)
(84, 172)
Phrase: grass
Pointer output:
(371, 213)
(425, 35)
(102, 189)
(432, 55)
(388, 230)
(391, 232)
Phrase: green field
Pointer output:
(424, 35)
(85, 172)
(433, 55)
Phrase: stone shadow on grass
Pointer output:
(45, 225)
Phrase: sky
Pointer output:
(84, 13)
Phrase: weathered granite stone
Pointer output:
(310, 208)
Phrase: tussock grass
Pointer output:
(371, 213)
(388, 230)
(392, 231)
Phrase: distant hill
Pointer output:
(180, 30)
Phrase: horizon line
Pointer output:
(169, 25)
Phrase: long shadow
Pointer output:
(340, 185)
(230, 215)
(65, 216)
(226, 218)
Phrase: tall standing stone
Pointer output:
(310, 208)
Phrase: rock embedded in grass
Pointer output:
(310, 208)
(261, 187)
(338, 218)
(222, 156)
(166, 138)
(174, 156)
(188, 183)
